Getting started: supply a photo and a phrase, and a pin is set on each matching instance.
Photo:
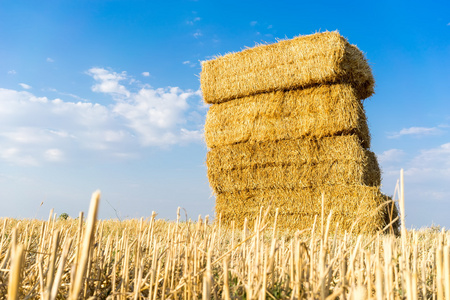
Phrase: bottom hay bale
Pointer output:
(357, 209)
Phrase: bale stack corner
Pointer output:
(287, 126)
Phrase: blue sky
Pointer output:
(105, 95)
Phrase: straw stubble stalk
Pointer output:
(86, 246)
(317, 112)
(15, 273)
(446, 270)
(52, 263)
(297, 63)
(439, 273)
(60, 271)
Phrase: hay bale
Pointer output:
(288, 177)
(354, 207)
(285, 152)
(317, 112)
(294, 130)
(291, 64)
(292, 163)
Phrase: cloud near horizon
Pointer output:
(426, 173)
(38, 130)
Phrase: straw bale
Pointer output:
(298, 207)
(332, 172)
(285, 152)
(320, 111)
(297, 63)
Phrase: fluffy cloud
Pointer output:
(157, 116)
(36, 130)
(108, 82)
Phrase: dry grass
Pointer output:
(155, 259)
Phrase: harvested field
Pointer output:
(182, 259)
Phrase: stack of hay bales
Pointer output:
(287, 126)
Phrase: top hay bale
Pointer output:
(301, 62)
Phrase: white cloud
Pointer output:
(157, 115)
(269, 27)
(146, 74)
(36, 130)
(50, 60)
(191, 64)
(190, 135)
(54, 155)
(17, 157)
(427, 183)
(12, 72)
(197, 34)
(437, 159)
(416, 131)
(253, 23)
(64, 94)
(391, 155)
(26, 135)
(108, 82)
(25, 86)
(191, 22)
